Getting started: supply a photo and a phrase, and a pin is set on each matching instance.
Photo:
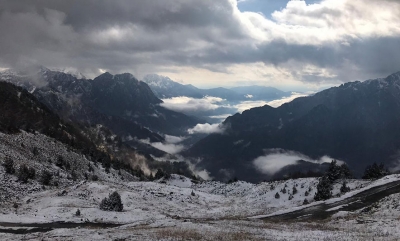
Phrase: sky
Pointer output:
(292, 45)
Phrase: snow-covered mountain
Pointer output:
(55, 177)
(356, 122)
(164, 87)
(119, 102)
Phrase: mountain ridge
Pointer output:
(165, 87)
(357, 122)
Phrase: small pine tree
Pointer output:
(74, 175)
(294, 191)
(160, 174)
(324, 188)
(283, 190)
(23, 173)
(346, 173)
(60, 161)
(46, 177)
(336, 172)
(31, 173)
(306, 193)
(9, 166)
(344, 188)
(375, 171)
(277, 196)
(290, 197)
(78, 213)
(112, 203)
(95, 178)
(305, 202)
(35, 151)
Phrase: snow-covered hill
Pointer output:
(167, 209)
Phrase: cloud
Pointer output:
(192, 164)
(245, 105)
(279, 102)
(206, 129)
(187, 104)
(221, 117)
(174, 139)
(327, 42)
(166, 147)
(277, 159)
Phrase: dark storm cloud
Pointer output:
(145, 36)
(67, 32)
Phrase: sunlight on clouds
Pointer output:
(279, 102)
(278, 159)
(187, 104)
(206, 129)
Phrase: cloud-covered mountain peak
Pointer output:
(159, 81)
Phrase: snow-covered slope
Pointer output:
(176, 207)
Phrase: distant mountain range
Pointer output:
(121, 103)
(164, 87)
(21, 110)
(357, 122)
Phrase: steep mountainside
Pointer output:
(164, 87)
(21, 111)
(121, 102)
(357, 122)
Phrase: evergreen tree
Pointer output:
(344, 188)
(31, 173)
(9, 166)
(294, 191)
(112, 203)
(160, 174)
(46, 177)
(324, 188)
(375, 171)
(277, 196)
(35, 151)
(336, 172)
(23, 173)
(346, 173)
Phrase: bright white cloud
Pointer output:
(174, 139)
(279, 102)
(206, 129)
(206, 42)
(245, 105)
(166, 147)
(278, 159)
(187, 104)
(223, 117)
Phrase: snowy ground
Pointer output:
(216, 211)
(175, 209)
